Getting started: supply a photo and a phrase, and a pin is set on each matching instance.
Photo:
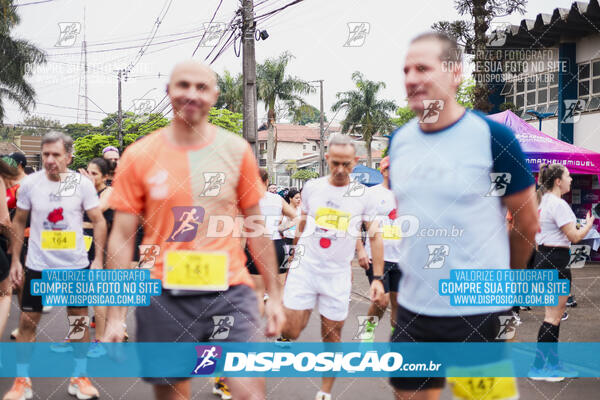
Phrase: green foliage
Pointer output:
(365, 114)
(465, 95)
(508, 106)
(231, 96)
(305, 114)
(404, 114)
(79, 130)
(18, 58)
(88, 147)
(305, 174)
(226, 119)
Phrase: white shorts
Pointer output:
(304, 287)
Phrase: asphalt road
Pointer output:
(582, 326)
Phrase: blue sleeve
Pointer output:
(390, 153)
(508, 158)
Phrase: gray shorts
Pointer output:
(229, 316)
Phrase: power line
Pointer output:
(145, 46)
(207, 26)
(33, 2)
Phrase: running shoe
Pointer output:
(565, 317)
(220, 388)
(83, 389)
(20, 390)
(517, 318)
(93, 322)
(14, 334)
(96, 350)
(562, 370)
(544, 374)
(266, 297)
(61, 347)
(526, 308)
(369, 334)
(323, 396)
(47, 309)
(571, 302)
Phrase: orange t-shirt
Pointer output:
(167, 184)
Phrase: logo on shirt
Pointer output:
(148, 255)
(222, 326)
(159, 187)
(207, 359)
(357, 33)
(356, 187)
(580, 253)
(68, 184)
(77, 326)
(53, 220)
(437, 255)
(366, 327)
(213, 182)
(431, 111)
(187, 220)
(499, 183)
(508, 327)
(573, 110)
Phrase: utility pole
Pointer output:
(120, 114)
(85, 70)
(249, 75)
(322, 136)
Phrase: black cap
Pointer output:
(19, 158)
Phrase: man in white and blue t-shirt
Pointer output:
(457, 173)
(56, 199)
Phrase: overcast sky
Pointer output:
(314, 31)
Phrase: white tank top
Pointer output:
(270, 207)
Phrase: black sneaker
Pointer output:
(571, 302)
(526, 308)
(565, 317)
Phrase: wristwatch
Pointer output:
(378, 278)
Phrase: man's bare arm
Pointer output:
(523, 207)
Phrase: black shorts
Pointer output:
(4, 262)
(279, 252)
(30, 303)
(554, 258)
(139, 235)
(411, 327)
(391, 276)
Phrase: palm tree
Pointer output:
(273, 85)
(17, 57)
(366, 114)
(232, 92)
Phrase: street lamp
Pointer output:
(539, 116)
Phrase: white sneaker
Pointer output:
(14, 334)
(47, 309)
(323, 396)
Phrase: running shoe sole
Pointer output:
(73, 391)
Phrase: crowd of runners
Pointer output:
(298, 256)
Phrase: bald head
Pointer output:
(195, 68)
(193, 91)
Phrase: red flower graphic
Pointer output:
(56, 215)
(393, 214)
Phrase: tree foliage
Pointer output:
(365, 114)
(226, 119)
(473, 36)
(305, 114)
(231, 96)
(305, 174)
(17, 57)
(273, 85)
